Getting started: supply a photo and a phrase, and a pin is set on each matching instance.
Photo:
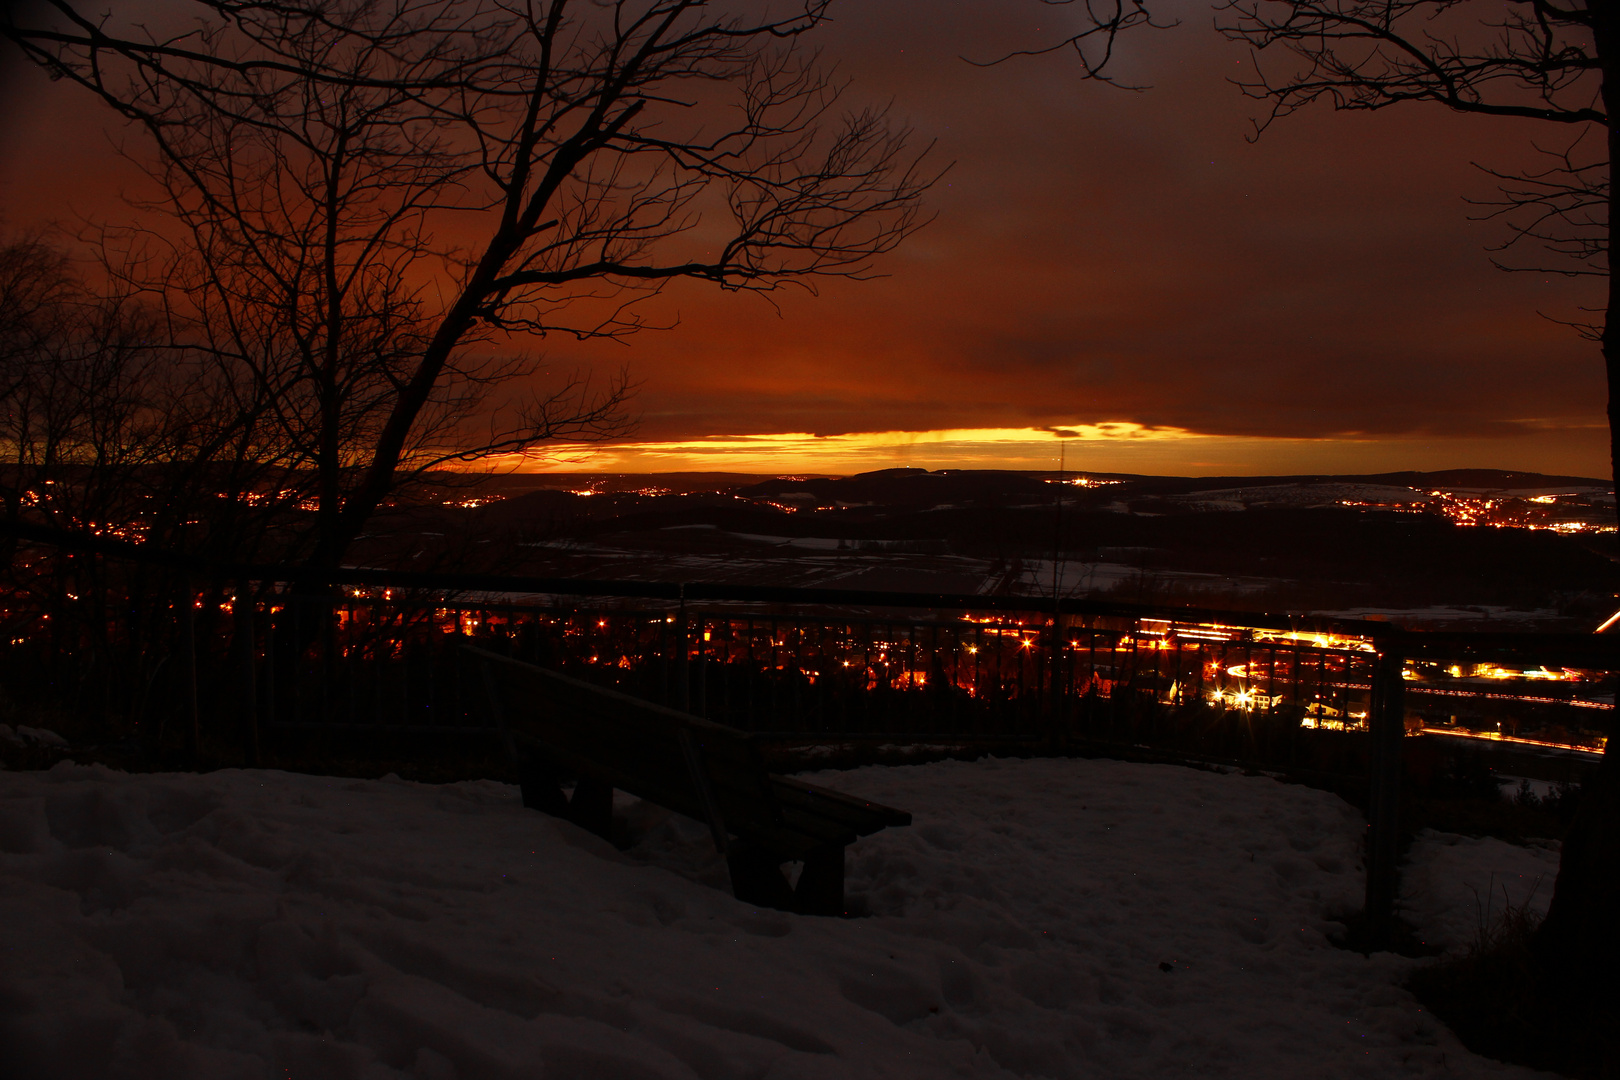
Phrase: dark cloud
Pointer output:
(1106, 255)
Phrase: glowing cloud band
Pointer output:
(1110, 446)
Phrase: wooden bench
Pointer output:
(560, 726)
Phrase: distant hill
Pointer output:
(1487, 479)
(903, 488)
(981, 481)
(1495, 479)
(1308, 542)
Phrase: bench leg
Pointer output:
(820, 890)
(591, 808)
(541, 791)
(756, 877)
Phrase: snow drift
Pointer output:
(1047, 918)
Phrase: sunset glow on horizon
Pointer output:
(1109, 446)
(1317, 301)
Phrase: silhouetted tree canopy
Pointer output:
(1557, 64)
(362, 202)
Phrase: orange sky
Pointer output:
(1318, 301)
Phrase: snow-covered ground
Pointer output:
(1448, 613)
(1087, 578)
(1050, 918)
(1454, 887)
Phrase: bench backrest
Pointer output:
(693, 766)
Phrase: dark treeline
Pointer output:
(280, 338)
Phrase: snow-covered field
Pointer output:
(1457, 886)
(1050, 918)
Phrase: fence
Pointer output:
(1322, 699)
(1288, 700)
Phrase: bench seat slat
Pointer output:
(637, 747)
(806, 816)
(862, 816)
(740, 809)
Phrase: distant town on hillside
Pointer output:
(1472, 548)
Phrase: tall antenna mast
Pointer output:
(1057, 523)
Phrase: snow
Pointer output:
(1457, 886)
(1057, 918)
(24, 735)
(1311, 493)
(1440, 613)
(813, 543)
(1078, 578)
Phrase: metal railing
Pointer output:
(373, 651)
(801, 673)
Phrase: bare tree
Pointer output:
(1559, 65)
(370, 198)
(1554, 63)
(102, 430)
(1524, 59)
(1101, 23)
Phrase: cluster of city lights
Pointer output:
(1247, 699)
(1083, 481)
(1596, 746)
(1496, 512)
(133, 533)
(267, 498)
(1501, 513)
(1494, 671)
(1315, 639)
(1334, 722)
(1396, 507)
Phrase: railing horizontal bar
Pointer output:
(420, 729)
(677, 591)
(900, 736)
(1590, 650)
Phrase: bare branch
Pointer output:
(1371, 54)
(1102, 21)
(310, 155)
(1528, 59)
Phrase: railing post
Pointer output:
(683, 669)
(269, 703)
(702, 706)
(244, 613)
(1386, 721)
(1057, 713)
(188, 655)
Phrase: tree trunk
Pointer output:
(1577, 948)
